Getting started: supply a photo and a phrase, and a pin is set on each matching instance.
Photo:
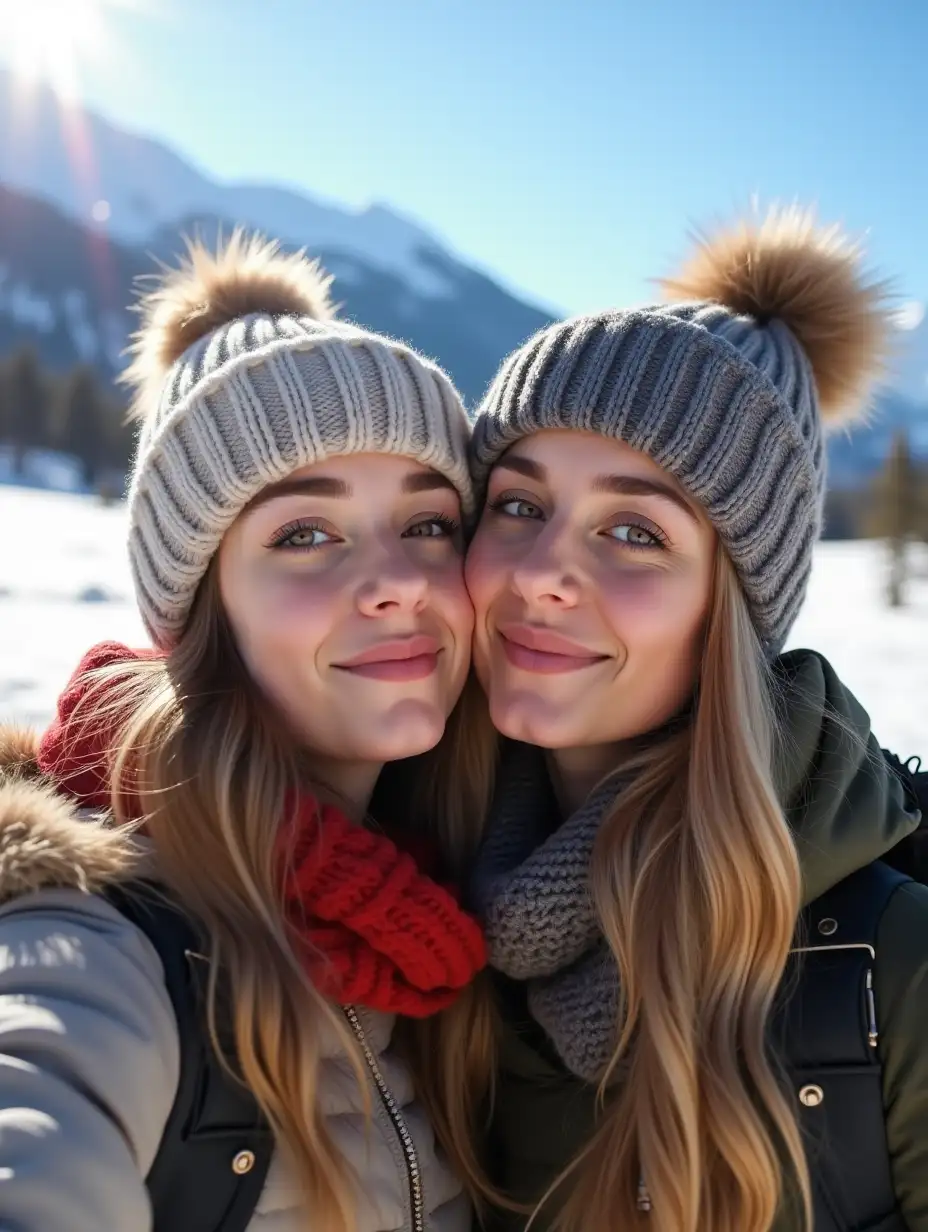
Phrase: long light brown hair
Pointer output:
(212, 764)
(696, 884)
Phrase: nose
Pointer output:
(543, 576)
(396, 586)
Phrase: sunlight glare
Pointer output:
(50, 38)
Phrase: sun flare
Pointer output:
(52, 39)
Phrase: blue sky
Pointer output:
(565, 147)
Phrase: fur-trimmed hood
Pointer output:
(46, 840)
(100, 1023)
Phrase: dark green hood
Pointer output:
(845, 806)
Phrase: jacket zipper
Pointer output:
(413, 1177)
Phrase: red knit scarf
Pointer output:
(371, 928)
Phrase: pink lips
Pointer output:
(407, 658)
(534, 649)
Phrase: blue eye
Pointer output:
(634, 535)
(517, 508)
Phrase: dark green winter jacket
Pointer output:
(846, 809)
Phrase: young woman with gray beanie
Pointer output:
(215, 912)
(679, 862)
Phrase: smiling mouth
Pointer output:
(413, 658)
(530, 658)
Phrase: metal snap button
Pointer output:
(828, 927)
(811, 1096)
(243, 1162)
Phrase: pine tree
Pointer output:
(900, 512)
(122, 437)
(82, 428)
(120, 446)
(24, 405)
(921, 502)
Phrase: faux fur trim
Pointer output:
(45, 840)
(19, 749)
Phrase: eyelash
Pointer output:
(292, 528)
(497, 506)
(448, 525)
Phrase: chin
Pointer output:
(532, 721)
(405, 730)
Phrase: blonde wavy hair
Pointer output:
(696, 884)
(212, 764)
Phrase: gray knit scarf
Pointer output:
(531, 889)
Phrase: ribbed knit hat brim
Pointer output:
(668, 387)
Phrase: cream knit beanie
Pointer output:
(240, 376)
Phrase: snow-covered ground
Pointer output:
(64, 584)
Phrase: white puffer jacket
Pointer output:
(89, 1061)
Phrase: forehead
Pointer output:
(570, 453)
(349, 466)
(360, 476)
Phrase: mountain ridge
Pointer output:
(73, 245)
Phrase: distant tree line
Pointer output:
(897, 512)
(77, 413)
(74, 412)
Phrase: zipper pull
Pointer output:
(872, 1034)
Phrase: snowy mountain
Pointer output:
(902, 403)
(137, 187)
(855, 455)
(64, 288)
(86, 207)
(909, 376)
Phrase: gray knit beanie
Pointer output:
(241, 376)
(773, 333)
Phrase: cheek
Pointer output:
(486, 569)
(281, 622)
(451, 602)
(658, 619)
(656, 609)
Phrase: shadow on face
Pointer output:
(344, 588)
(591, 576)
